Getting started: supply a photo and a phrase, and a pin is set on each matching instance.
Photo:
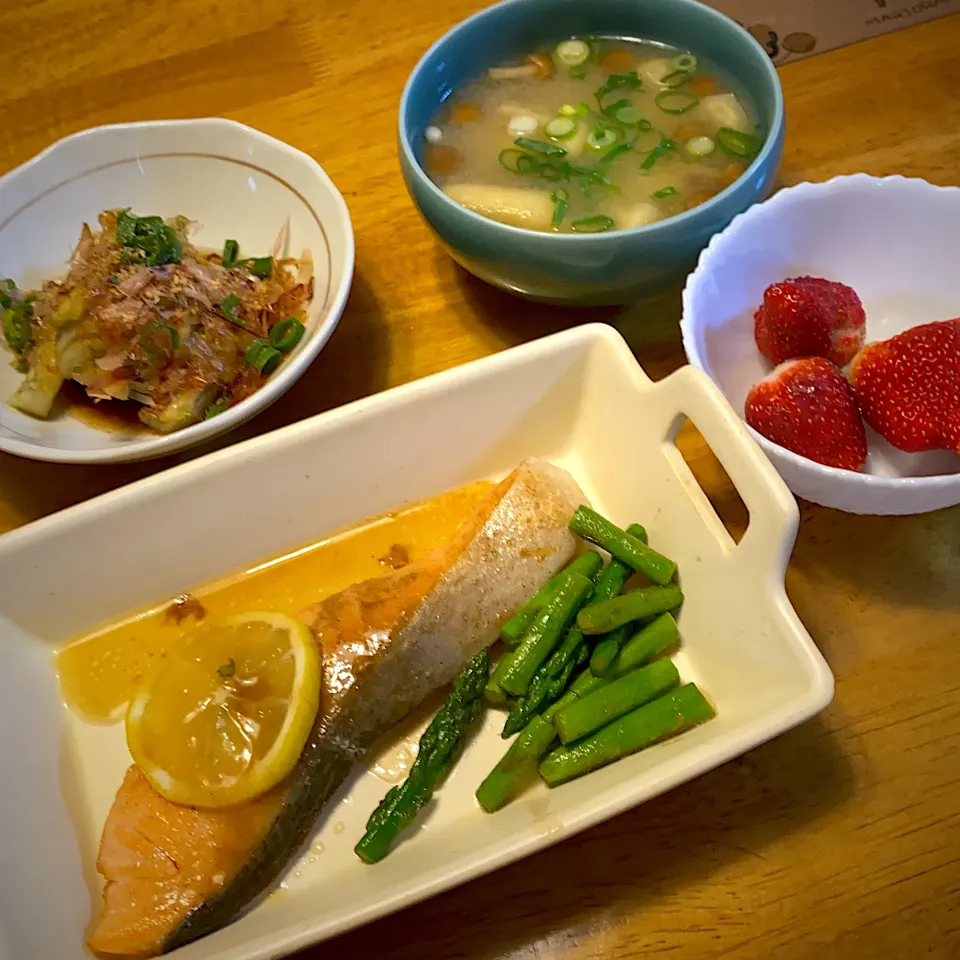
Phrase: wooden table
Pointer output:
(840, 840)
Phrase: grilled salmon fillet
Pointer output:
(175, 873)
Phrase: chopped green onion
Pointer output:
(601, 137)
(216, 408)
(16, 328)
(560, 128)
(686, 62)
(621, 148)
(260, 267)
(611, 108)
(552, 172)
(156, 243)
(664, 193)
(571, 53)
(262, 356)
(698, 147)
(676, 101)
(516, 161)
(664, 146)
(540, 146)
(739, 144)
(676, 78)
(6, 289)
(561, 203)
(579, 72)
(618, 81)
(567, 110)
(228, 305)
(584, 109)
(154, 326)
(596, 224)
(647, 140)
(286, 334)
(628, 115)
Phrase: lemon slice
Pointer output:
(226, 717)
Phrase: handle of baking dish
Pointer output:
(774, 516)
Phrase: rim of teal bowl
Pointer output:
(464, 26)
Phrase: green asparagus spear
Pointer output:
(544, 634)
(652, 639)
(439, 747)
(550, 681)
(608, 646)
(518, 765)
(588, 563)
(615, 699)
(631, 550)
(605, 652)
(493, 691)
(610, 614)
(682, 708)
(643, 646)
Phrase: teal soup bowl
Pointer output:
(597, 268)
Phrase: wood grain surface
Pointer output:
(838, 840)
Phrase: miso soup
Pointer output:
(592, 134)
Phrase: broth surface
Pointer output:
(649, 140)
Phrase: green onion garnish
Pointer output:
(664, 146)
(664, 192)
(621, 148)
(596, 224)
(739, 144)
(155, 326)
(676, 101)
(223, 403)
(516, 161)
(578, 72)
(260, 267)
(16, 328)
(561, 203)
(262, 356)
(628, 115)
(686, 62)
(228, 305)
(540, 146)
(677, 78)
(601, 137)
(156, 243)
(560, 128)
(286, 334)
(6, 289)
(611, 108)
(571, 53)
(618, 81)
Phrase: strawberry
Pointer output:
(809, 317)
(808, 407)
(908, 387)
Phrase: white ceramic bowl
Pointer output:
(895, 241)
(571, 399)
(237, 182)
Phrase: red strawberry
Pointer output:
(809, 317)
(808, 407)
(908, 387)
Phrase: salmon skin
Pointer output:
(172, 875)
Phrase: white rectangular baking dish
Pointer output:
(578, 399)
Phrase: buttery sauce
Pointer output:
(100, 672)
